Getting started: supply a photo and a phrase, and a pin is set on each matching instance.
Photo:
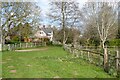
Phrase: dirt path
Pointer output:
(27, 50)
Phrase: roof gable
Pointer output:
(47, 30)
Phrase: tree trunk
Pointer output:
(118, 63)
(103, 44)
(106, 65)
(1, 41)
(63, 23)
(64, 41)
(74, 40)
(0, 46)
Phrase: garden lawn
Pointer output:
(53, 62)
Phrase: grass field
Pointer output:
(48, 62)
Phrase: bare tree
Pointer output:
(90, 35)
(103, 16)
(13, 13)
(65, 14)
(0, 32)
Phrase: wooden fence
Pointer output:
(21, 46)
(97, 57)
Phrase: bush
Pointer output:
(11, 42)
(49, 43)
(114, 42)
(15, 38)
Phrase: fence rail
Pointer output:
(97, 57)
(21, 46)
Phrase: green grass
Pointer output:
(50, 63)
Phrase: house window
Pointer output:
(41, 32)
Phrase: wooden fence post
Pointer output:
(15, 47)
(106, 65)
(81, 53)
(20, 45)
(0, 46)
(77, 54)
(35, 44)
(26, 45)
(73, 51)
(89, 57)
(9, 48)
(117, 59)
(70, 50)
(44, 43)
(118, 63)
(31, 45)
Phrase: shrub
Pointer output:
(114, 42)
(49, 43)
(15, 38)
(11, 42)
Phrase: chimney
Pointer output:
(43, 26)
